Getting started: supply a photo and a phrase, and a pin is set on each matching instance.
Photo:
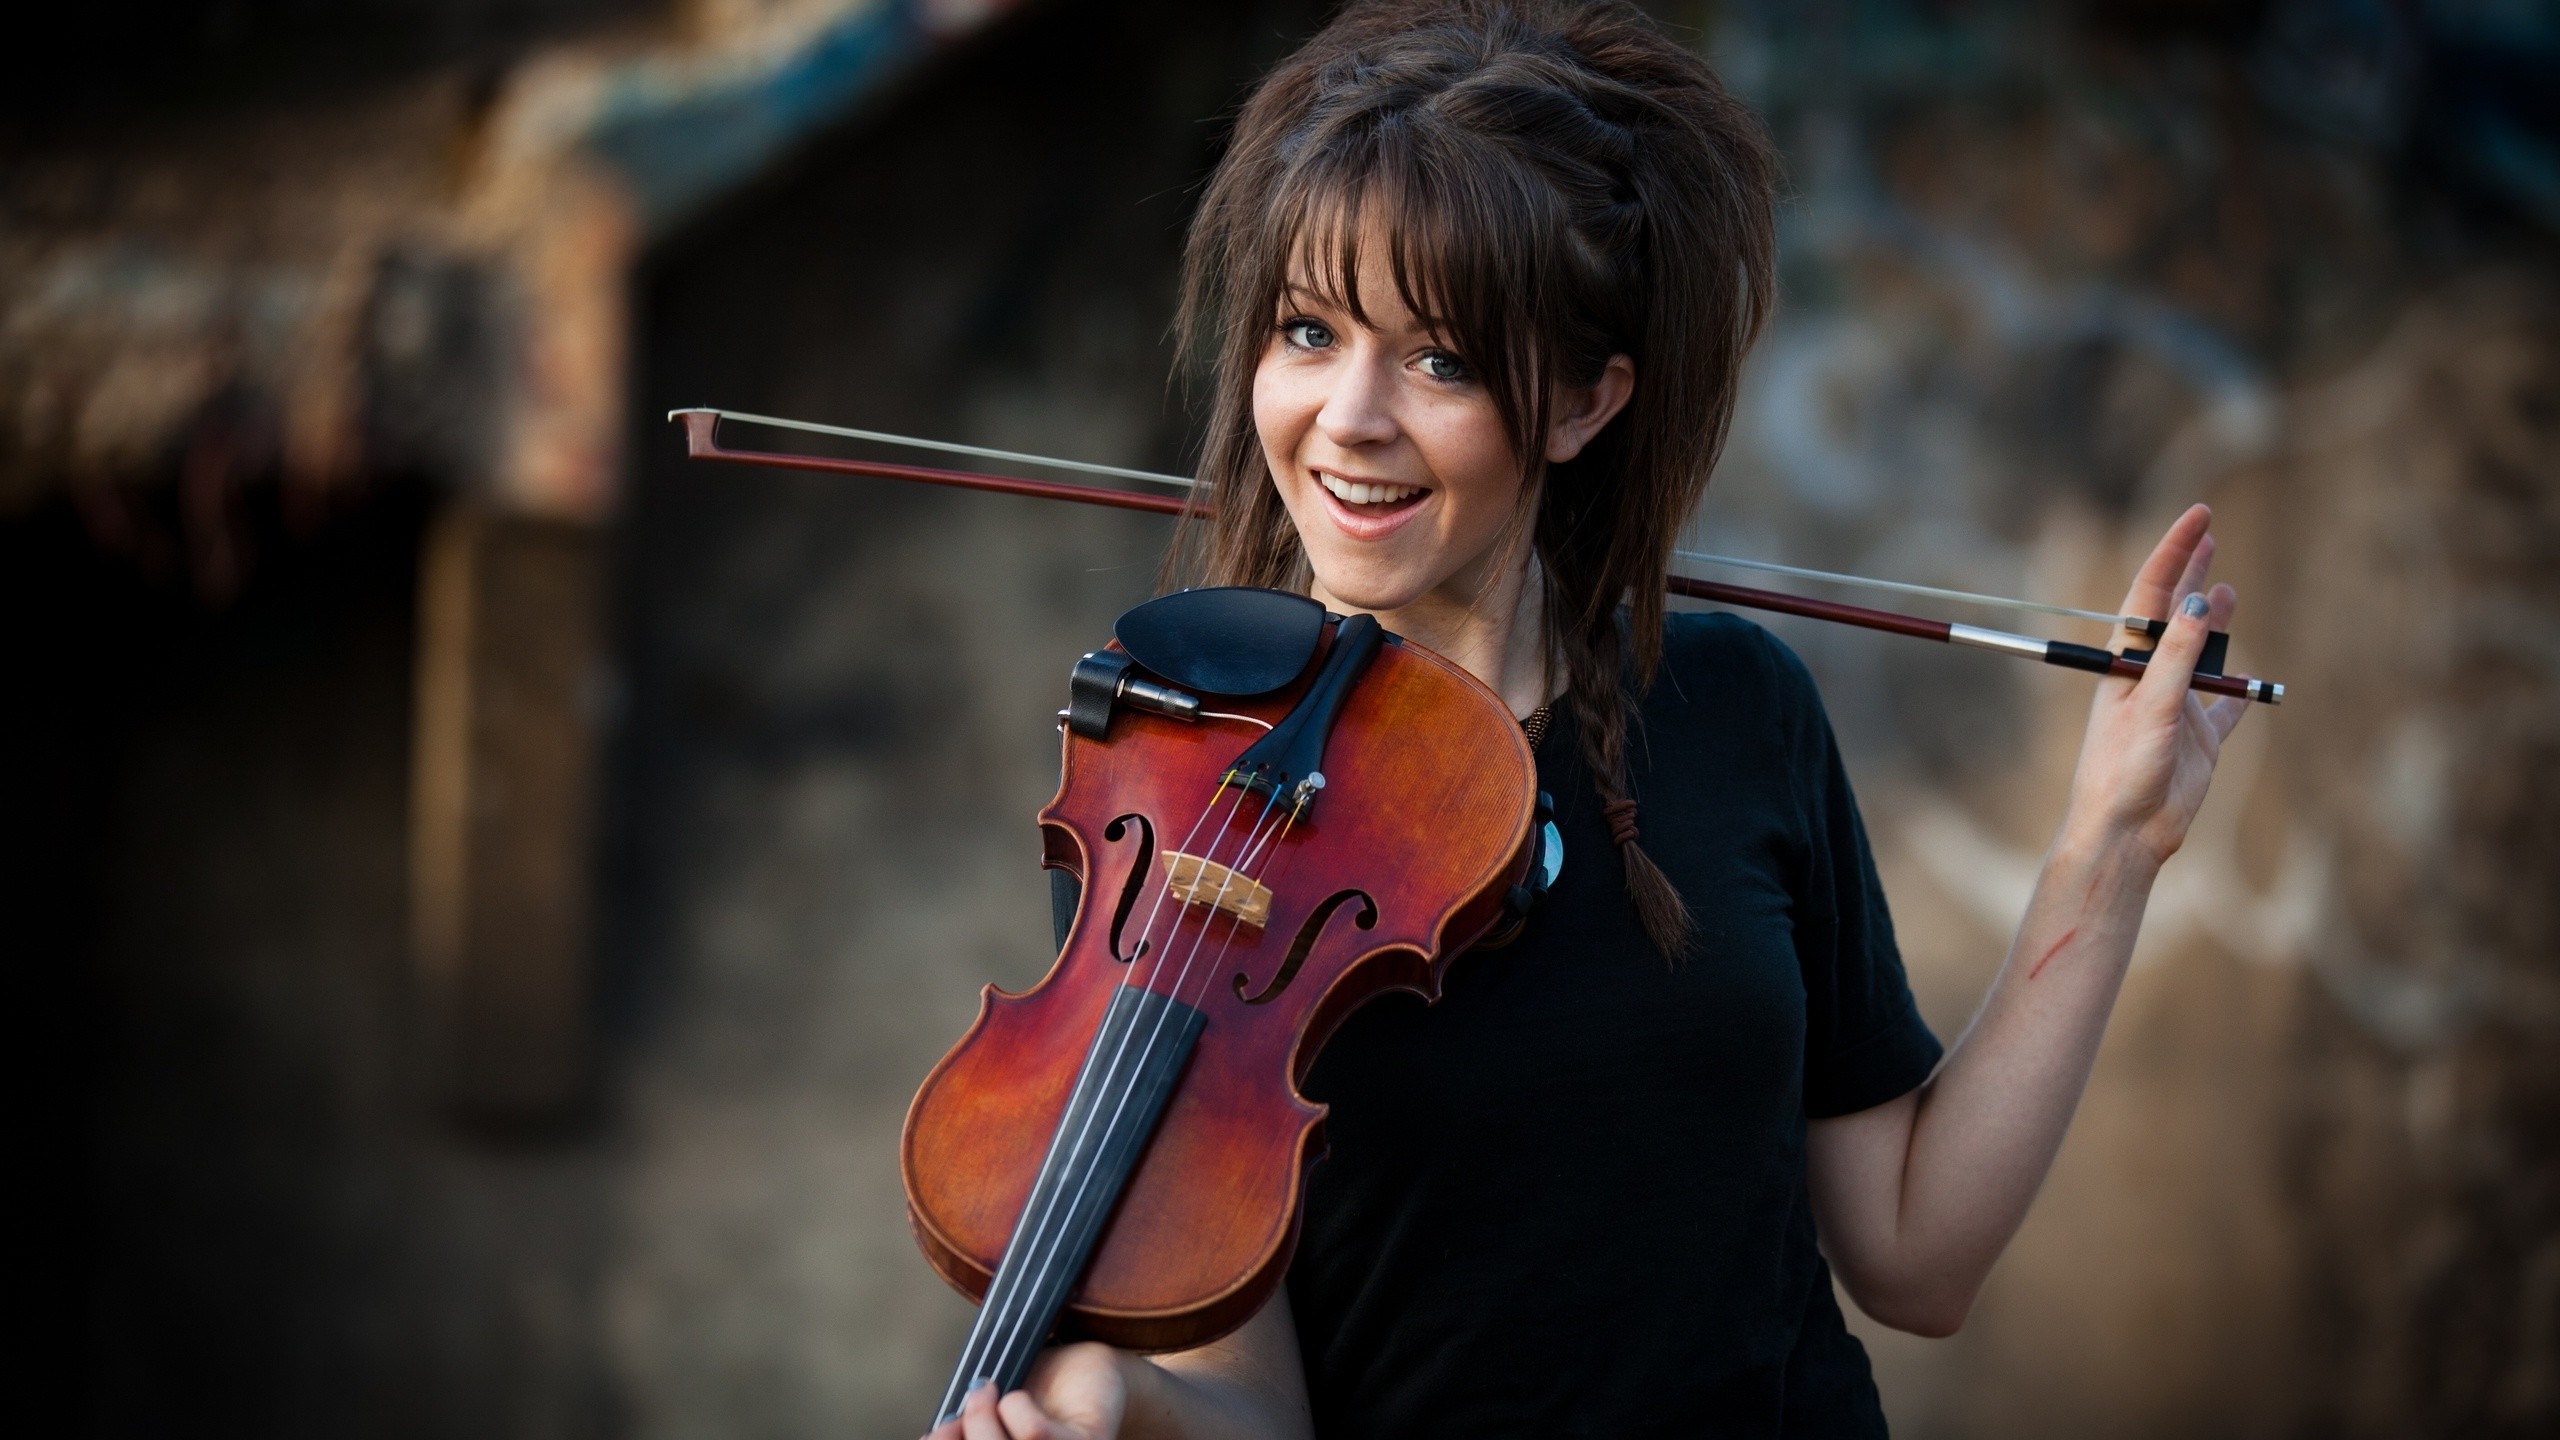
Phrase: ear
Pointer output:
(1582, 413)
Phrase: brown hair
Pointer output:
(1558, 183)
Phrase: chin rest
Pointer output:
(1225, 640)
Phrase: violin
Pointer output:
(1276, 814)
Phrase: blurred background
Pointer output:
(480, 889)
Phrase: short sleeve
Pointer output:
(1865, 1042)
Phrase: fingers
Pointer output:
(2199, 564)
(2157, 586)
(2173, 664)
(1015, 1417)
(2223, 716)
(1025, 1420)
(2224, 713)
(2199, 612)
(2220, 601)
(978, 1418)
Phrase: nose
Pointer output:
(1359, 406)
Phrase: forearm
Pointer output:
(1195, 1403)
(1983, 1132)
(1249, 1386)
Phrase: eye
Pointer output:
(1305, 334)
(1443, 366)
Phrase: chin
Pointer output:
(1367, 587)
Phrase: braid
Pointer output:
(1596, 692)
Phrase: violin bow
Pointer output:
(702, 440)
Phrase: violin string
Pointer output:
(1209, 981)
(1019, 1334)
(1250, 865)
(1209, 912)
(1249, 860)
(1017, 1307)
(1002, 1299)
(1017, 1326)
(1003, 1291)
(1020, 1321)
(1146, 930)
(1700, 557)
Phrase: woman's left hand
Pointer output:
(2152, 743)
(1074, 1392)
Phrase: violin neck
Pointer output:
(1128, 1075)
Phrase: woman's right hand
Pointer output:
(1074, 1392)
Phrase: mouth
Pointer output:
(1366, 493)
(1369, 509)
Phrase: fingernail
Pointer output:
(2195, 607)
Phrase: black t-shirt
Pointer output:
(1570, 1199)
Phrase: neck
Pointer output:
(1492, 623)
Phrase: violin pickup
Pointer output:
(1194, 880)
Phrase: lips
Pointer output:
(1369, 509)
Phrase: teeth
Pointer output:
(1350, 493)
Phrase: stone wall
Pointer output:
(2049, 276)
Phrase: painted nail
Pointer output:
(2195, 607)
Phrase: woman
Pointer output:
(1479, 277)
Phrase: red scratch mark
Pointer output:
(2038, 968)
(2087, 892)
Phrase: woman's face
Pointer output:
(1388, 450)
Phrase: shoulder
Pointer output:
(1733, 718)
(1713, 657)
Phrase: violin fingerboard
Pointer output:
(1128, 1075)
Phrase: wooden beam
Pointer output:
(504, 782)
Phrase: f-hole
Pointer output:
(1306, 941)
(1129, 888)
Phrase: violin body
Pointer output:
(1422, 828)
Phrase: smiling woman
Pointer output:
(1479, 278)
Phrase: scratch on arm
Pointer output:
(2087, 893)
(2041, 961)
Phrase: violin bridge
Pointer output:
(1193, 879)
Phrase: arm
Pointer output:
(1917, 1197)
(1249, 1386)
